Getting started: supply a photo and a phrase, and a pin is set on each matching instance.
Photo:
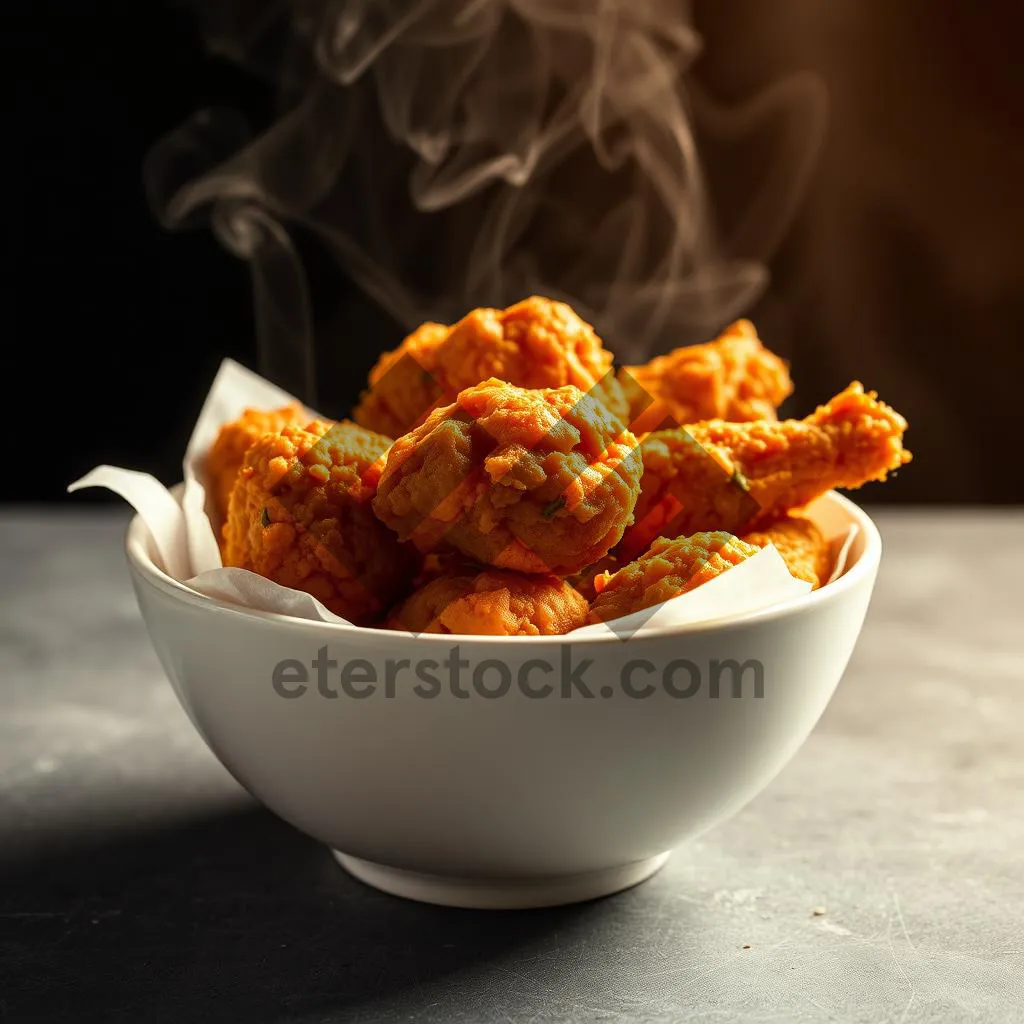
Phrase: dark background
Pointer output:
(904, 268)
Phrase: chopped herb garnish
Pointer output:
(740, 480)
(553, 508)
(265, 517)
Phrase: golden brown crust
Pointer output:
(227, 452)
(668, 568)
(403, 385)
(732, 378)
(732, 476)
(537, 480)
(536, 343)
(492, 602)
(801, 544)
(513, 467)
(300, 515)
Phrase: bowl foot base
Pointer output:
(500, 894)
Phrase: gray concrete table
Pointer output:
(141, 884)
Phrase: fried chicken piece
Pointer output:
(492, 602)
(735, 476)
(536, 343)
(801, 544)
(668, 568)
(403, 385)
(538, 480)
(227, 452)
(300, 515)
(732, 378)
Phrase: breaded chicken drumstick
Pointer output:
(538, 480)
(717, 475)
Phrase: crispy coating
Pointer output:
(536, 343)
(403, 386)
(801, 544)
(540, 480)
(732, 378)
(227, 452)
(734, 476)
(300, 514)
(492, 602)
(668, 568)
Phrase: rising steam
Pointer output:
(455, 153)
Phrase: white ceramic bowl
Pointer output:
(515, 800)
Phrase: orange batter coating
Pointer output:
(536, 343)
(717, 475)
(492, 602)
(801, 544)
(300, 515)
(227, 452)
(403, 385)
(540, 480)
(668, 568)
(732, 378)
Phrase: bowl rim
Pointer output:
(142, 564)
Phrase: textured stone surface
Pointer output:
(141, 884)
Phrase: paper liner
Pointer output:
(186, 546)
